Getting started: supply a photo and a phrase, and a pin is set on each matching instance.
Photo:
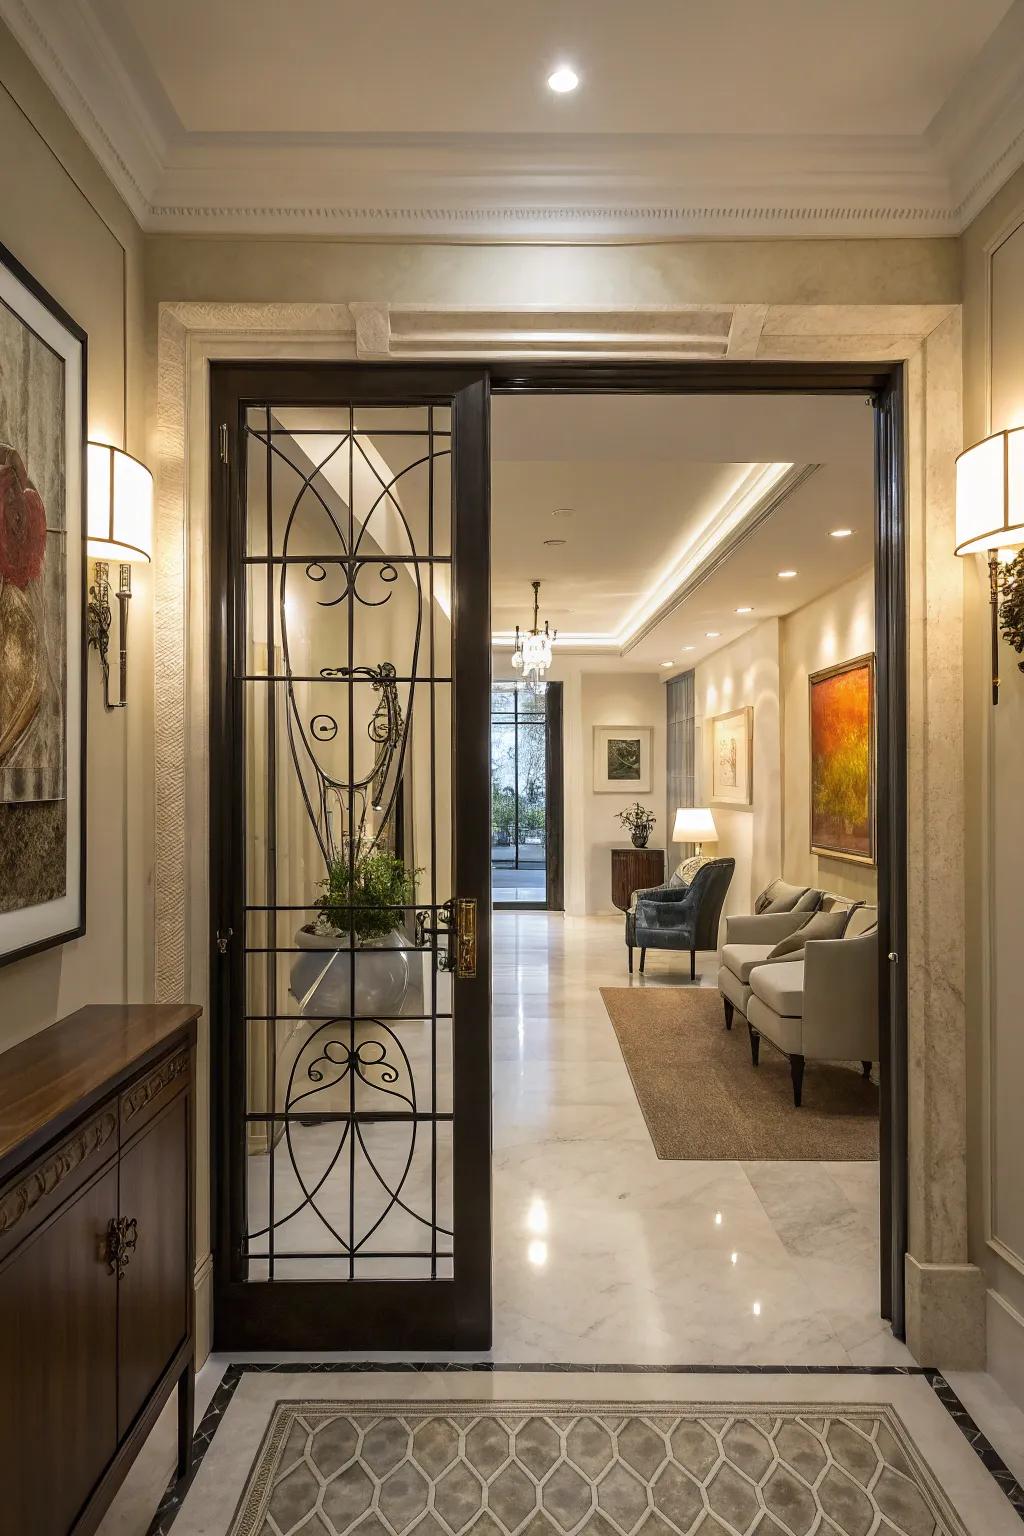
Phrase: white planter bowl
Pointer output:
(321, 977)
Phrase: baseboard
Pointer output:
(1004, 1331)
(946, 1315)
(203, 1287)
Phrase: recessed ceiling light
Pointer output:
(786, 575)
(688, 647)
(668, 663)
(564, 512)
(563, 79)
(744, 610)
(551, 543)
(711, 634)
(841, 533)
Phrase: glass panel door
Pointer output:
(354, 1019)
(519, 809)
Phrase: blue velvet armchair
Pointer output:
(676, 916)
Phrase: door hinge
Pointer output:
(223, 436)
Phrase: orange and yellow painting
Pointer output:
(842, 760)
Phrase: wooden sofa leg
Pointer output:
(866, 1066)
(796, 1068)
(693, 965)
(631, 959)
(643, 957)
(728, 1007)
(755, 1043)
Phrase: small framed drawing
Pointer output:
(622, 759)
(842, 732)
(42, 593)
(732, 758)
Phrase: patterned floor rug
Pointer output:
(515, 1468)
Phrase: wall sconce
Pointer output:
(990, 513)
(121, 529)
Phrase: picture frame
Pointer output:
(623, 759)
(732, 757)
(842, 746)
(43, 433)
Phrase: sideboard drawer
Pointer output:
(34, 1194)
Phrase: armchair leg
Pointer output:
(796, 1068)
(693, 965)
(728, 1012)
(755, 1043)
(866, 1066)
(631, 959)
(643, 957)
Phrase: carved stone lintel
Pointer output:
(143, 1092)
(20, 1198)
(373, 329)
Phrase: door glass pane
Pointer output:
(345, 688)
(519, 794)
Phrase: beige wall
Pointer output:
(617, 698)
(836, 627)
(63, 221)
(745, 673)
(994, 398)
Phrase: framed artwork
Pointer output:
(842, 704)
(42, 620)
(732, 757)
(622, 759)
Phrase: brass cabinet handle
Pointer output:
(122, 1237)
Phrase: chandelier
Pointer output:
(532, 655)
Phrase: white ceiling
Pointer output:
(642, 476)
(405, 116)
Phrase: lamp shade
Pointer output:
(990, 494)
(120, 505)
(694, 824)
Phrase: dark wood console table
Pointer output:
(633, 869)
(96, 1257)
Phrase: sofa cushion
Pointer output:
(819, 925)
(741, 958)
(780, 987)
(862, 920)
(810, 901)
(783, 897)
(786, 1033)
(735, 990)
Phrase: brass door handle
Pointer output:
(122, 1237)
(457, 919)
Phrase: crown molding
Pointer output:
(552, 187)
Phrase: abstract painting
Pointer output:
(42, 398)
(732, 757)
(843, 760)
(622, 758)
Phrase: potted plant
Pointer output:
(638, 822)
(359, 920)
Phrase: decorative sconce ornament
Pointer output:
(990, 516)
(120, 528)
(532, 655)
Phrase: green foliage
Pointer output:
(362, 893)
(1011, 614)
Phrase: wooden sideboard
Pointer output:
(96, 1257)
(634, 869)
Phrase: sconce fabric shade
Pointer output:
(694, 824)
(990, 494)
(120, 506)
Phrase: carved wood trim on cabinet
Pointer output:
(96, 1296)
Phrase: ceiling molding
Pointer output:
(578, 187)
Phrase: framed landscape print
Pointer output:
(42, 586)
(622, 759)
(732, 757)
(842, 702)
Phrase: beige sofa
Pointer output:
(823, 1005)
(749, 938)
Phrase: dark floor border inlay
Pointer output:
(175, 1493)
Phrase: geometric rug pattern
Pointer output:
(330, 1468)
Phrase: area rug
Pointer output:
(391, 1468)
(704, 1100)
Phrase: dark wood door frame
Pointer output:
(884, 385)
(555, 799)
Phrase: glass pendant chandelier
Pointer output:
(532, 655)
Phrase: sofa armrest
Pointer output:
(657, 893)
(840, 1021)
(762, 927)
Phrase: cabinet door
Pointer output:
(153, 1319)
(58, 1406)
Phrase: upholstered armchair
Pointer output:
(677, 916)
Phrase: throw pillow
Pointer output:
(820, 925)
(784, 897)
